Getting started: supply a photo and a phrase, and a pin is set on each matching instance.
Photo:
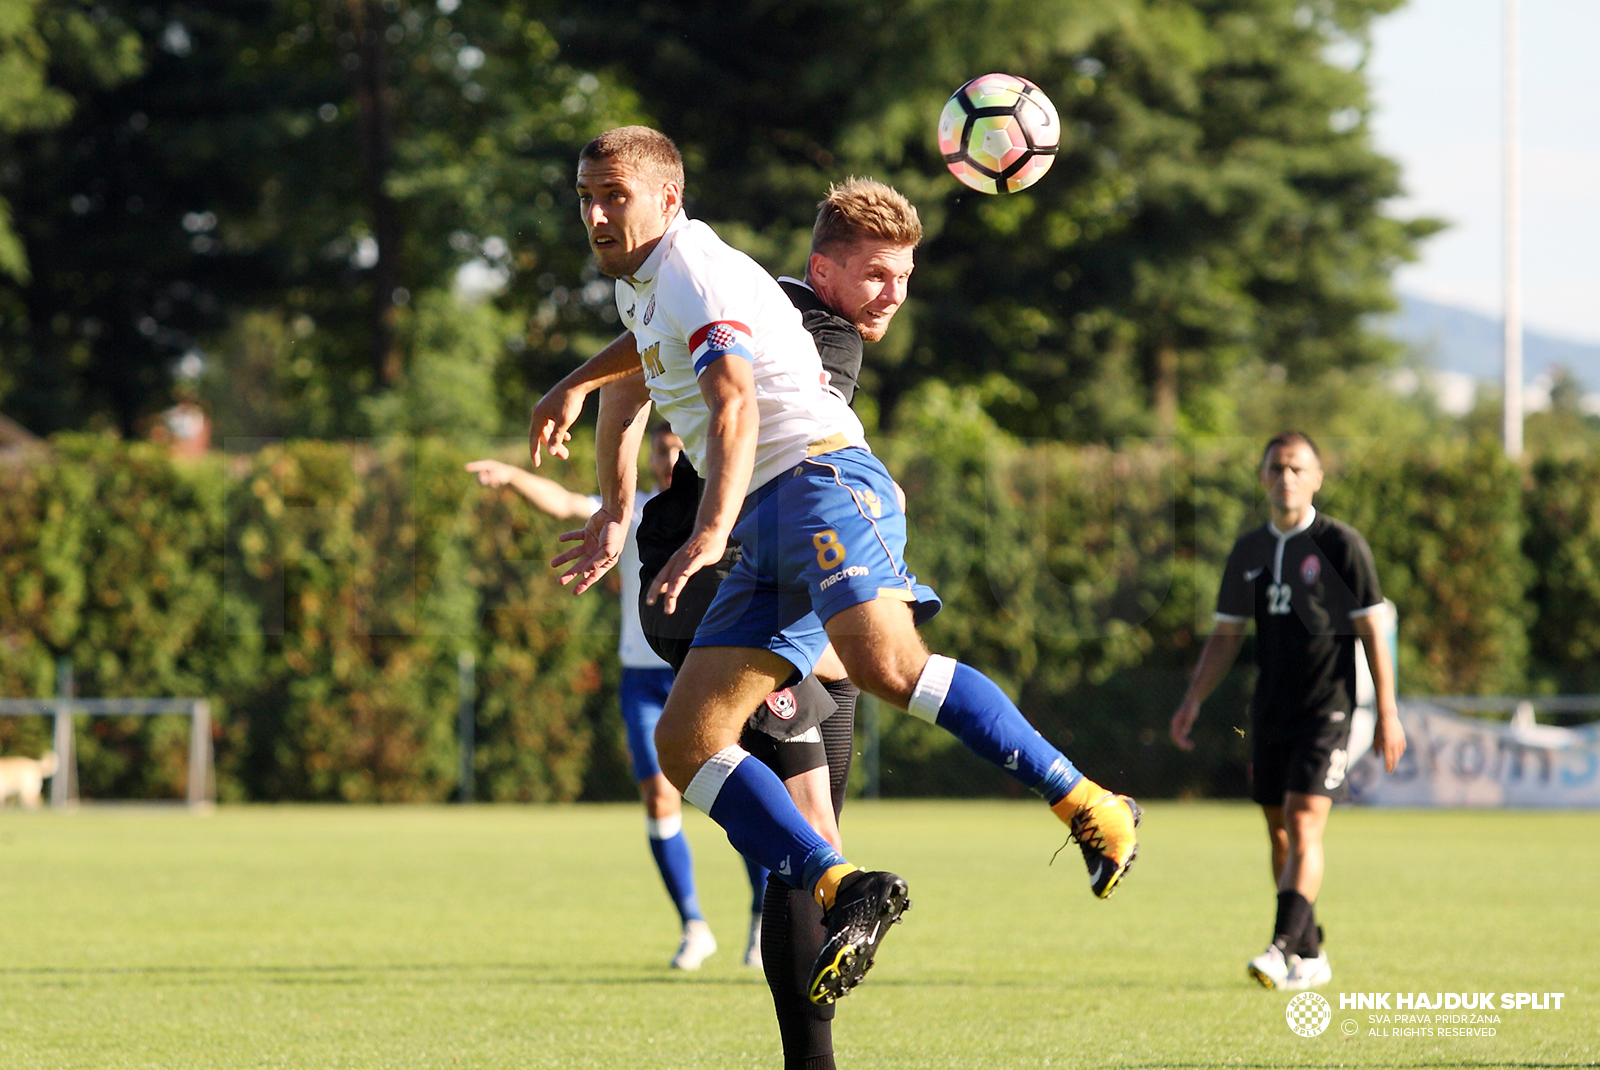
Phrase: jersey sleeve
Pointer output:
(839, 345)
(1360, 574)
(720, 338)
(1236, 597)
(712, 315)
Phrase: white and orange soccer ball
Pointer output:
(999, 133)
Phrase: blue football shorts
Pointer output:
(644, 695)
(824, 536)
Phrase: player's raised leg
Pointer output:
(697, 739)
(879, 645)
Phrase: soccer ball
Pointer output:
(999, 133)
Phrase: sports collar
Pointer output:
(797, 282)
(652, 263)
(1311, 515)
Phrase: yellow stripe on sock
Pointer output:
(827, 889)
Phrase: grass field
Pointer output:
(537, 937)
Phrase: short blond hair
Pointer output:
(863, 209)
(650, 152)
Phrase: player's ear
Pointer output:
(819, 266)
(671, 198)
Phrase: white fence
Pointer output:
(202, 789)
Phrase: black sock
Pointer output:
(791, 938)
(1294, 910)
(1310, 938)
(839, 737)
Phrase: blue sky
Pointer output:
(1436, 70)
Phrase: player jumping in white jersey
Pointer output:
(789, 475)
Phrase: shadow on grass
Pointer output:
(501, 972)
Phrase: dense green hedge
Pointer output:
(320, 593)
(1084, 580)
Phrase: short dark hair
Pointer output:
(1291, 438)
(661, 429)
(863, 209)
(648, 151)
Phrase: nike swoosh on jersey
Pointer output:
(1250, 575)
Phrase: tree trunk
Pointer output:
(1164, 390)
(368, 63)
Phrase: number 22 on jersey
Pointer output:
(1277, 599)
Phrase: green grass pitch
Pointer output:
(538, 936)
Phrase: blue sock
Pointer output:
(969, 706)
(671, 849)
(749, 801)
(758, 884)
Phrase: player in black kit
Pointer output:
(1309, 583)
(861, 259)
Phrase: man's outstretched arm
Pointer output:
(546, 494)
(1216, 658)
(556, 412)
(624, 411)
(729, 387)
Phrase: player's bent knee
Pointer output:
(676, 753)
(884, 683)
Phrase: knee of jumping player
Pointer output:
(676, 751)
(884, 675)
(880, 649)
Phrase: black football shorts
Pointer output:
(1311, 758)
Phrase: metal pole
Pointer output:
(200, 756)
(1512, 430)
(466, 721)
(872, 753)
(61, 793)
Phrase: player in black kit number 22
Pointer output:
(1309, 583)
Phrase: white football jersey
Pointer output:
(696, 300)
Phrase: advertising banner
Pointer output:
(1452, 760)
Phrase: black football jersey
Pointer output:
(1303, 588)
(839, 344)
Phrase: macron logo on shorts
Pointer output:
(844, 573)
(717, 339)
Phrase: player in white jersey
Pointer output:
(693, 273)
(646, 682)
(789, 476)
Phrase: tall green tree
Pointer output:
(49, 49)
(277, 191)
(1217, 204)
(83, 42)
